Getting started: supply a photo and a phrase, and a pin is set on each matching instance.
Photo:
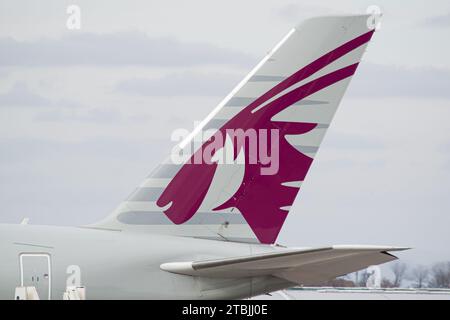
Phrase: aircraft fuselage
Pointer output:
(118, 265)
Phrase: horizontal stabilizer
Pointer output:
(303, 266)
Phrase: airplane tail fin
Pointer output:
(258, 143)
(308, 266)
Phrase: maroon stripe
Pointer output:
(288, 99)
(313, 67)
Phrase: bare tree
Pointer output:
(399, 270)
(361, 278)
(420, 275)
(386, 283)
(440, 275)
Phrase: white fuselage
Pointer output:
(118, 265)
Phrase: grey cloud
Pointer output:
(97, 115)
(181, 84)
(439, 21)
(15, 150)
(21, 96)
(361, 143)
(120, 49)
(73, 182)
(370, 81)
(380, 81)
(5, 72)
(296, 11)
(101, 116)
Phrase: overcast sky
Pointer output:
(86, 114)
